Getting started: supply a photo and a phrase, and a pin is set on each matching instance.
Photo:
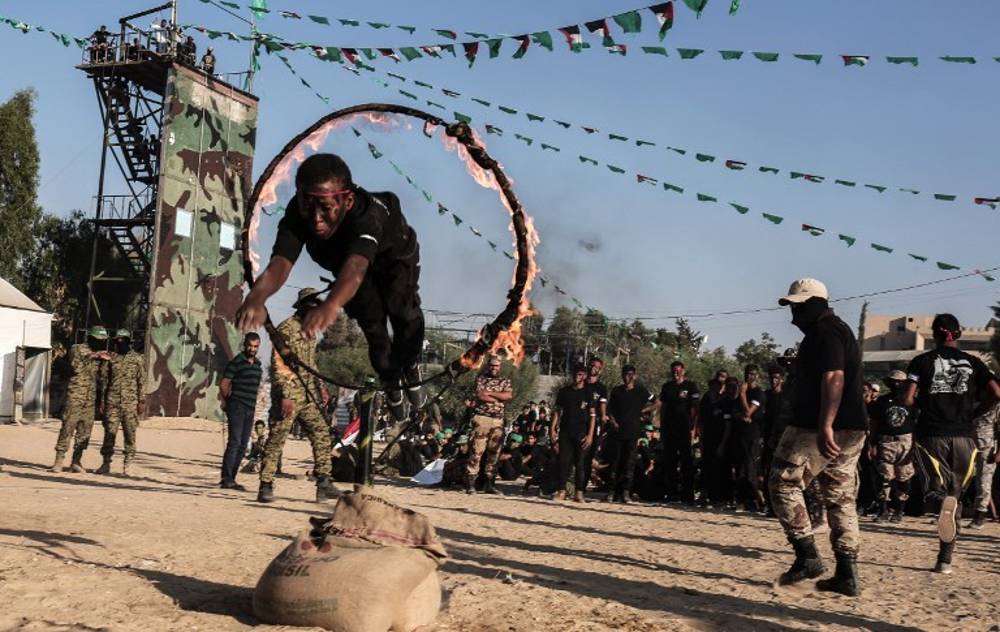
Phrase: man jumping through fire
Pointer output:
(364, 240)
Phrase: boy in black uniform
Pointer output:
(599, 402)
(679, 400)
(573, 432)
(364, 240)
(946, 385)
(747, 440)
(626, 405)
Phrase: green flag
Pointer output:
(913, 191)
(493, 129)
(847, 239)
(506, 110)
(259, 8)
(846, 183)
(527, 141)
(631, 21)
(704, 158)
(408, 29)
(918, 257)
(563, 124)
(463, 118)
(494, 46)
(729, 55)
(913, 61)
(376, 154)
(774, 219)
(493, 246)
(677, 150)
(946, 266)
(442, 209)
(456, 219)
(671, 187)
(446, 33)
(617, 137)
(482, 102)
(958, 60)
(766, 56)
(409, 95)
(346, 21)
(944, 197)
(427, 196)
(543, 39)
(422, 84)
(696, 5)
(809, 57)
(378, 25)
(552, 147)
(534, 117)
(655, 50)
(881, 248)
(702, 197)
(319, 19)
(689, 53)
(734, 6)
(742, 210)
(647, 143)
(584, 159)
(410, 53)
(876, 187)
(768, 169)
(616, 169)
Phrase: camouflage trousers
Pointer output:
(484, 445)
(125, 416)
(986, 467)
(797, 462)
(75, 430)
(894, 464)
(309, 417)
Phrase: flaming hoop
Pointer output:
(504, 332)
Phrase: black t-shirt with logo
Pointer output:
(677, 400)
(829, 345)
(373, 228)
(574, 411)
(890, 418)
(755, 395)
(625, 406)
(598, 394)
(949, 384)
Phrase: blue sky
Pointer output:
(650, 253)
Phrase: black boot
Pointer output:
(490, 488)
(325, 490)
(394, 400)
(978, 521)
(896, 510)
(266, 493)
(945, 551)
(468, 484)
(807, 564)
(845, 580)
(414, 392)
(883, 512)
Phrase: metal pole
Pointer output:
(363, 474)
(100, 201)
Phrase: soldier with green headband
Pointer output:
(122, 400)
(88, 376)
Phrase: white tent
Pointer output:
(25, 344)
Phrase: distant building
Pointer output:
(25, 343)
(890, 342)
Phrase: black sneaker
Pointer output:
(232, 485)
(979, 521)
(266, 493)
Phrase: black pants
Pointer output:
(389, 294)
(572, 454)
(239, 418)
(710, 466)
(621, 452)
(677, 452)
(948, 465)
(745, 458)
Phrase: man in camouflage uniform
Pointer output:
(987, 428)
(88, 376)
(891, 448)
(492, 392)
(122, 400)
(822, 441)
(298, 396)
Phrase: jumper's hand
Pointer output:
(287, 408)
(318, 319)
(251, 315)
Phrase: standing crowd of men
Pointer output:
(162, 38)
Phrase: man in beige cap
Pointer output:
(822, 441)
(890, 447)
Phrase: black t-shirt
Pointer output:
(829, 345)
(755, 395)
(678, 400)
(598, 394)
(890, 418)
(949, 384)
(625, 406)
(374, 228)
(574, 411)
(776, 414)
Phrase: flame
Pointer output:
(285, 170)
(509, 342)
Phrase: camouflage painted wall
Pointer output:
(209, 131)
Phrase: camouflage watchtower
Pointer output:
(183, 141)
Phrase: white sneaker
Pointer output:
(947, 527)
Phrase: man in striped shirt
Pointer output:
(240, 382)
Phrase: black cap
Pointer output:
(628, 368)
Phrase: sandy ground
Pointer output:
(168, 550)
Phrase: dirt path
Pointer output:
(168, 550)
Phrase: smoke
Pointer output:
(590, 244)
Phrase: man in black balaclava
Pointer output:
(822, 441)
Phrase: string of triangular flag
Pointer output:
(444, 211)
(702, 157)
(63, 38)
(629, 21)
(742, 209)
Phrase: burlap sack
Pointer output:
(371, 567)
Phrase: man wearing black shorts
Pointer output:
(573, 432)
(948, 387)
(364, 240)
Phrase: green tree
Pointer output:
(342, 352)
(19, 161)
(523, 381)
(762, 353)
